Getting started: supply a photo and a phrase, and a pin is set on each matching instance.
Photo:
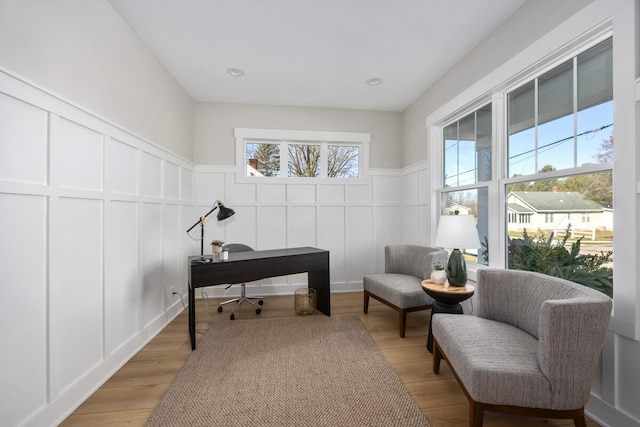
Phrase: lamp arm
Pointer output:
(204, 217)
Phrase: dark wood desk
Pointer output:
(249, 266)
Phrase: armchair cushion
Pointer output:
(400, 290)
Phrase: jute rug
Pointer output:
(301, 371)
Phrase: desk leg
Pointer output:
(192, 317)
(320, 281)
(438, 307)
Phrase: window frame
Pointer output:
(284, 138)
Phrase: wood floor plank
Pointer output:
(130, 395)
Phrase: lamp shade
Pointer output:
(457, 232)
(224, 212)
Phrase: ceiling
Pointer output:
(313, 53)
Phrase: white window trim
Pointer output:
(283, 137)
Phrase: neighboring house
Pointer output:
(453, 207)
(555, 210)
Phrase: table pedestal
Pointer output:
(438, 307)
(447, 300)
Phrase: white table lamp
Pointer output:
(457, 232)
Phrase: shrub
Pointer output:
(540, 254)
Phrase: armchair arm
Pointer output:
(572, 333)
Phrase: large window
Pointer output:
(268, 153)
(560, 152)
(547, 197)
(467, 169)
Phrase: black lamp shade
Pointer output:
(224, 212)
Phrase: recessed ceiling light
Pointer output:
(374, 81)
(235, 72)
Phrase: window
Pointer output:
(282, 154)
(560, 152)
(467, 168)
(262, 159)
(467, 149)
(549, 200)
(558, 120)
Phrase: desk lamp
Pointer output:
(223, 213)
(457, 231)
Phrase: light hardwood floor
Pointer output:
(130, 395)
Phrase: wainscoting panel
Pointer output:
(331, 194)
(76, 291)
(171, 260)
(359, 193)
(274, 193)
(151, 175)
(171, 181)
(331, 236)
(23, 318)
(186, 185)
(387, 189)
(209, 188)
(24, 149)
(301, 193)
(151, 259)
(121, 293)
(80, 157)
(272, 226)
(360, 243)
(122, 168)
(388, 226)
(301, 226)
(240, 228)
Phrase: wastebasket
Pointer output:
(305, 301)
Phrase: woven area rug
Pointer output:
(301, 371)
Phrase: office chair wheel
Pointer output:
(260, 303)
(232, 317)
(220, 309)
(258, 310)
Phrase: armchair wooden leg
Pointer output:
(476, 414)
(366, 302)
(437, 357)
(580, 421)
(403, 322)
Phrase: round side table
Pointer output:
(447, 300)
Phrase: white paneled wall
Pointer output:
(352, 221)
(92, 224)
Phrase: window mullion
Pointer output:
(324, 159)
(284, 159)
(575, 111)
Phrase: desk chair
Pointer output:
(237, 247)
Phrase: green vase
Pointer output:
(456, 269)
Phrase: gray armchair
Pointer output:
(400, 286)
(533, 348)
